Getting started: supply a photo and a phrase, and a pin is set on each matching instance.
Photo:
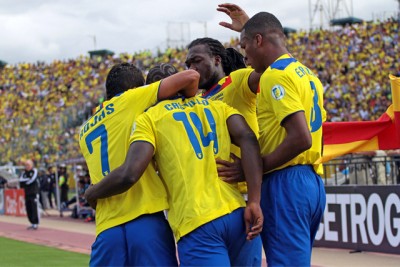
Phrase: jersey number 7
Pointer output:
(101, 132)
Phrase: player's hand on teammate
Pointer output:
(89, 197)
(230, 172)
(254, 220)
(237, 15)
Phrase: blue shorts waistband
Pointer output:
(288, 168)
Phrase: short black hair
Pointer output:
(121, 77)
(231, 58)
(262, 22)
(160, 72)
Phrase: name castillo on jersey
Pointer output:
(191, 103)
(96, 118)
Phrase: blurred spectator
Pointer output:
(51, 177)
(44, 189)
(80, 203)
(377, 167)
(3, 182)
(63, 183)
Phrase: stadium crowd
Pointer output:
(43, 105)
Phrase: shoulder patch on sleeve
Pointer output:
(278, 92)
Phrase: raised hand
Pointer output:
(237, 15)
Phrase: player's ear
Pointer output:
(259, 39)
(217, 60)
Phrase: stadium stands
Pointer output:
(42, 105)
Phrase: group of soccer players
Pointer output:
(187, 138)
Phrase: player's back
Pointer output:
(104, 142)
(188, 135)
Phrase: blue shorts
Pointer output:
(221, 242)
(144, 241)
(293, 202)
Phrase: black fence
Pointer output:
(362, 170)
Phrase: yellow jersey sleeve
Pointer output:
(143, 130)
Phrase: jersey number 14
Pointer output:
(205, 139)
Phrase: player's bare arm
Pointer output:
(298, 140)
(244, 137)
(123, 177)
(186, 82)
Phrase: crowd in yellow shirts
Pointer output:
(43, 104)
(353, 63)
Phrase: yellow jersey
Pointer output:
(104, 143)
(188, 135)
(286, 87)
(234, 90)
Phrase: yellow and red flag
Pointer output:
(342, 138)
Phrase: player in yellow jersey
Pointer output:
(131, 228)
(290, 114)
(206, 214)
(224, 76)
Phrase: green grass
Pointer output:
(15, 253)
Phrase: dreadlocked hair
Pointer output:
(235, 59)
(231, 59)
(160, 72)
(121, 77)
